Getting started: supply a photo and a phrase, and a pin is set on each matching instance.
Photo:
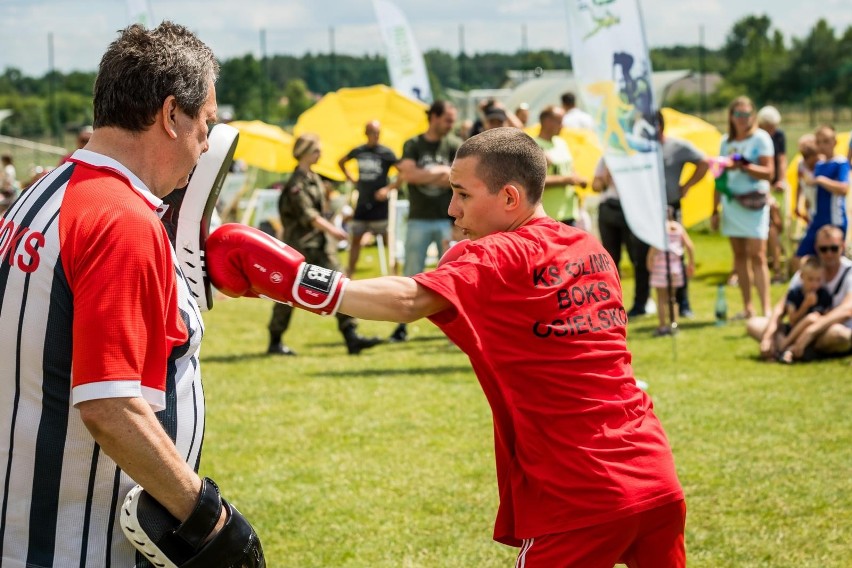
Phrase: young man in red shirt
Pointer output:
(585, 472)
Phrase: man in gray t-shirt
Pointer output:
(676, 154)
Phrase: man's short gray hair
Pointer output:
(143, 67)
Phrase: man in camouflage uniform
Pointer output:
(302, 206)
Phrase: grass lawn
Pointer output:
(386, 459)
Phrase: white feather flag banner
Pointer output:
(612, 68)
(405, 62)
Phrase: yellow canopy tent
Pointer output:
(264, 146)
(339, 119)
(698, 204)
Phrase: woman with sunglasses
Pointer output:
(744, 213)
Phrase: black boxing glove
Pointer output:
(168, 543)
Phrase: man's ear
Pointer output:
(167, 117)
(511, 196)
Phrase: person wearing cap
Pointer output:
(560, 201)
(496, 117)
(304, 207)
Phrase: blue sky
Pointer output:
(82, 29)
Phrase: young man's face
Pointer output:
(477, 211)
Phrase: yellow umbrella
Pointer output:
(339, 119)
(264, 146)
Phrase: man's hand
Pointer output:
(338, 233)
(195, 542)
(382, 193)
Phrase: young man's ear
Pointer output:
(511, 196)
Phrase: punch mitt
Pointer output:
(168, 543)
(190, 211)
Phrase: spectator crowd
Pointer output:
(769, 240)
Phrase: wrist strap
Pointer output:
(204, 516)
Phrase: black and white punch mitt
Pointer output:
(168, 543)
(191, 208)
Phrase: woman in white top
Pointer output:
(745, 210)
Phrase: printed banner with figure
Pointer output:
(405, 62)
(140, 13)
(613, 73)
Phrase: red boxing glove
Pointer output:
(454, 252)
(244, 261)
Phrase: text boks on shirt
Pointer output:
(19, 246)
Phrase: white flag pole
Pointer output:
(613, 73)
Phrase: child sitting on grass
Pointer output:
(679, 242)
(806, 301)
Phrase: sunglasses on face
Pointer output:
(829, 248)
(741, 113)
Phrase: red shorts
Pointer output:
(652, 539)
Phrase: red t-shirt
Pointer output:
(539, 313)
(126, 291)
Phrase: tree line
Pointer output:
(755, 59)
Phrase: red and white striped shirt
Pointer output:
(92, 305)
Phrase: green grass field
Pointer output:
(386, 459)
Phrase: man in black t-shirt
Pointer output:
(425, 167)
(371, 211)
